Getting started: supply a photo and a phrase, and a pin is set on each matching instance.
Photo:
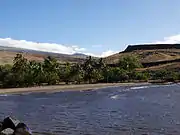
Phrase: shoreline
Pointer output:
(63, 88)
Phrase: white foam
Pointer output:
(4, 95)
(139, 87)
(114, 97)
(43, 98)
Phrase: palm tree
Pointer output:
(50, 67)
(20, 63)
(67, 73)
(77, 73)
(88, 69)
(19, 70)
(35, 73)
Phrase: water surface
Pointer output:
(139, 110)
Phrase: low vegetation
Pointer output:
(27, 73)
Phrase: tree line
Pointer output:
(27, 73)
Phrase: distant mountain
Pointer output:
(7, 54)
(22, 50)
(80, 55)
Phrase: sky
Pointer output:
(94, 27)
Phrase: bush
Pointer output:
(141, 76)
(169, 76)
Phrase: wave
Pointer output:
(41, 98)
(4, 95)
(43, 133)
(14, 94)
(139, 87)
(114, 97)
(148, 86)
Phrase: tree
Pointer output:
(77, 73)
(141, 76)
(19, 70)
(99, 70)
(35, 73)
(106, 74)
(159, 74)
(88, 69)
(6, 76)
(113, 74)
(66, 75)
(50, 67)
(129, 63)
(93, 70)
(20, 63)
(171, 76)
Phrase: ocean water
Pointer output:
(138, 110)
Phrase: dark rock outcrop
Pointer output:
(131, 48)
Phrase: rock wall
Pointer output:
(151, 47)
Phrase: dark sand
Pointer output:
(58, 88)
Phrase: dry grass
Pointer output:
(169, 66)
(6, 57)
(147, 55)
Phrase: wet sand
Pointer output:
(58, 88)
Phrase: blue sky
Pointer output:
(89, 26)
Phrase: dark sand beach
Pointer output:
(56, 88)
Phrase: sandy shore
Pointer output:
(58, 88)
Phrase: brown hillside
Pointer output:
(169, 66)
(6, 57)
(153, 57)
(147, 55)
(156, 58)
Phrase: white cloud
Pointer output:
(169, 40)
(64, 49)
(50, 47)
(175, 39)
(108, 53)
(103, 54)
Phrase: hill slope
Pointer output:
(152, 56)
(7, 54)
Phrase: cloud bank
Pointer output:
(103, 54)
(65, 49)
(49, 47)
(170, 40)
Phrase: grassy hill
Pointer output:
(153, 57)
